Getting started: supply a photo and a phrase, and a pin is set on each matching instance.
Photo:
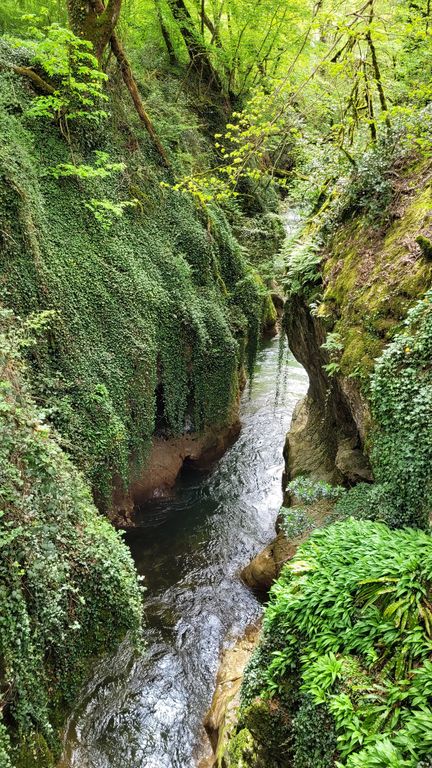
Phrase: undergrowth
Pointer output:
(351, 616)
(68, 586)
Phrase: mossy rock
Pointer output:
(372, 278)
(245, 752)
(34, 752)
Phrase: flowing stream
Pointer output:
(147, 712)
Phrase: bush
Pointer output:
(295, 521)
(353, 607)
(308, 490)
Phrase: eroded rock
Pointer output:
(222, 715)
(164, 464)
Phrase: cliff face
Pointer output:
(154, 311)
(370, 276)
(363, 331)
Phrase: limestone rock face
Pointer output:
(162, 468)
(307, 450)
(222, 715)
(334, 410)
(352, 463)
(264, 569)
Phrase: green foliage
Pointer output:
(314, 736)
(65, 57)
(351, 614)
(102, 168)
(248, 139)
(68, 587)
(105, 211)
(308, 490)
(162, 299)
(401, 395)
(295, 521)
(302, 259)
(401, 400)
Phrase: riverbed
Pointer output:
(147, 711)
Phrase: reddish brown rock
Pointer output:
(222, 715)
(165, 462)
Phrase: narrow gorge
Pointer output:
(216, 384)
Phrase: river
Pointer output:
(147, 712)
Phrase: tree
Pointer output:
(200, 61)
(93, 21)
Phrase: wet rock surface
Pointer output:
(222, 715)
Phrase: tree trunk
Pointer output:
(166, 36)
(375, 67)
(197, 51)
(92, 20)
(132, 87)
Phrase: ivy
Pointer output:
(401, 453)
(68, 587)
(161, 300)
(401, 394)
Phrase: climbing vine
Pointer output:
(163, 300)
(68, 588)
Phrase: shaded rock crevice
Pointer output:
(167, 457)
(326, 440)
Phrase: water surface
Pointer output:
(148, 712)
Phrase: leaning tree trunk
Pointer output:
(198, 54)
(93, 21)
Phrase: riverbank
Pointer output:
(190, 550)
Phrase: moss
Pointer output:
(242, 750)
(372, 278)
(34, 752)
(267, 721)
(425, 246)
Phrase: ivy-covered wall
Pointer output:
(68, 586)
(162, 299)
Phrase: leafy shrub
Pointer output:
(295, 521)
(370, 189)
(401, 455)
(314, 736)
(70, 60)
(302, 265)
(369, 502)
(308, 490)
(354, 604)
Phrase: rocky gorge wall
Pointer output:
(349, 432)
(151, 317)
